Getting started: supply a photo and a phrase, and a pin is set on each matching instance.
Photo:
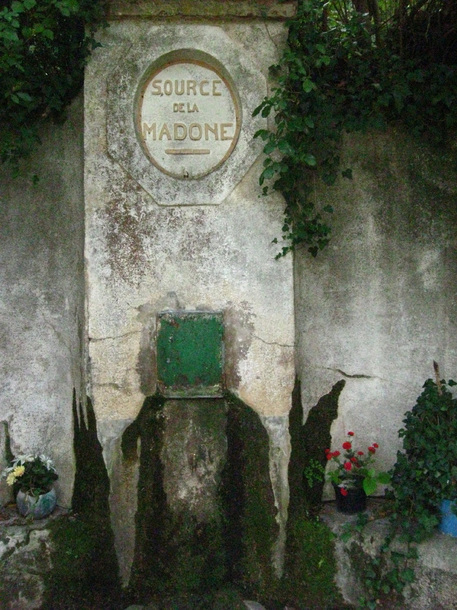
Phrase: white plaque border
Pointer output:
(191, 56)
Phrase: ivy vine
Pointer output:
(424, 475)
(352, 66)
(44, 45)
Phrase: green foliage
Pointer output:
(33, 474)
(44, 45)
(313, 472)
(426, 472)
(347, 70)
(385, 576)
(424, 475)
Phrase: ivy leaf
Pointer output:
(308, 85)
(262, 133)
(17, 7)
(310, 160)
(285, 147)
(269, 148)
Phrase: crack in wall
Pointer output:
(355, 376)
(273, 342)
(115, 337)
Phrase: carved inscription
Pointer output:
(188, 119)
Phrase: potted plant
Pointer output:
(354, 477)
(424, 478)
(32, 478)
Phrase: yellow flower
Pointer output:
(19, 471)
(10, 479)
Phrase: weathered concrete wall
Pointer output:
(42, 298)
(379, 305)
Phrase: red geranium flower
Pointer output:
(327, 451)
(336, 453)
(354, 460)
(371, 449)
(344, 491)
(350, 433)
(347, 445)
(360, 453)
(375, 445)
(329, 456)
(347, 465)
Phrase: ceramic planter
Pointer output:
(355, 501)
(37, 506)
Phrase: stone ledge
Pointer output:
(10, 517)
(201, 9)
(436, 568)
(25, 558)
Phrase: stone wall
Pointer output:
(379, 304)
(374, 309)
(41, 298)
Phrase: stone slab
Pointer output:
(226, 9)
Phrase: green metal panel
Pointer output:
(190, 354)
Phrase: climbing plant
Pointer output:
(352, 65)
(424, 475)
(44, 45)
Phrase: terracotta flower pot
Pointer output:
(354, 501)
(38, 506)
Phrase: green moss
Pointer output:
(84, 573)
(85, 570)
(149, 563)
(174, 552)
(224, 599)
(308, 442)
(309, 580)
(179, 560)
(251, 527)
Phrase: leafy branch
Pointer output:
(349, 66)
(44, 45)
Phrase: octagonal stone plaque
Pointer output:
(179, 114)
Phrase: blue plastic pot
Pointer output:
(448, 523)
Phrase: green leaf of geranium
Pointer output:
(383, 478)
(369, 485)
